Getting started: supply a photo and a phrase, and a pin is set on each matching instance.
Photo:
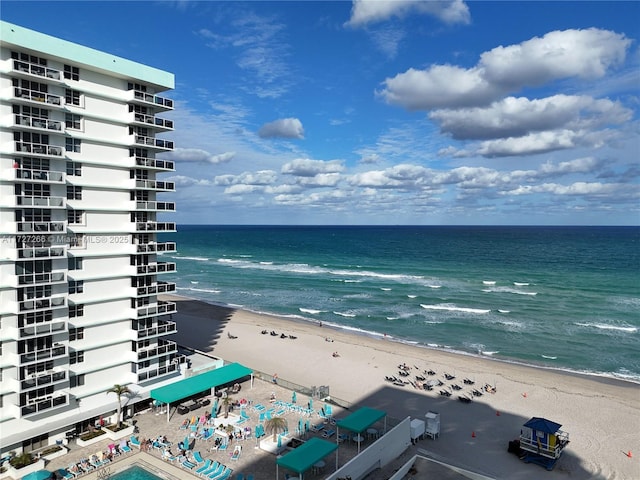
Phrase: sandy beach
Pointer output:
(601, 415)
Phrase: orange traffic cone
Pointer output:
(473, 435)
(629, 454)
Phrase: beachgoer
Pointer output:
(275, 378)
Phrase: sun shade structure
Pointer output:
(303, 458)
(360, 420)
(199, 383)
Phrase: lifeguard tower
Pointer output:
(543, 442)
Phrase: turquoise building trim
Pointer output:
(55, 47)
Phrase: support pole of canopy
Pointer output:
(168, 410)
(251, 380)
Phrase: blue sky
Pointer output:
(399, 112)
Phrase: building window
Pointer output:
(76, 240)
(75, 217)
(74, 193)
(76, 311)
(72, 145)
(71, 97)
(75, 263)
(71, 73)
(76, 357)
(76, 380)
(74, 169)
(72, 121)
(76, 286)
(76, 333)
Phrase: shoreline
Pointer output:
(601, 415)
(604, 377)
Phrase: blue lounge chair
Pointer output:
(239, 476)
(223, 446)
(250, 476)
(205, 467)
(198, 458)
(215, 467)
(65, 474)
(226, 473)
(317, 427)
(328, 433)
(134, 442)
(212, 472)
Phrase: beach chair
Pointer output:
(134, 442)
(250, 476)
(317, 427)
(168, 457)
(124, 448)
(184, 425)
(223, 445)
(224, 475)
(204, 467)
(198, 458)
(188, 465)
(214, 467)
(64, 473)
(237, 451)
(328, 433)
(219, 471)
(259, 407)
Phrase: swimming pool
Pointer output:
(135, 472)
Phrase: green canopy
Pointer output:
(302, 458)
(361, 419)
(199, 383)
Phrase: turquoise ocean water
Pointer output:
(565, 297)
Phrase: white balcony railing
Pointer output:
(35, 69)
(156, 206)
(40, 227)
(155, 227)
(156, 100)
(42, 278)
(36, 96)
(153, 163)
(39, 149)
(41, 175)
(153, 142)
(48, 202)
(155, 185)
(153, 120)
(34, 122)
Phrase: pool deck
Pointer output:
(253, 460)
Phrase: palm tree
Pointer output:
(226, 403)
(275, 425)
(119, 390)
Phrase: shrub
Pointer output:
(89, 435)
(22, 460)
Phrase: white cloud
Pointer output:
(198, 155)
(515, 117)
(262, 177)
(282, 128)
(557, 55)
(365, 12)
(184, 181)
(305, 167)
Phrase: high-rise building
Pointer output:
(80, 269)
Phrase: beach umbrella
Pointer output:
(279, 441)
(300, 426)
(39, 475)
(294, 397)
(214, 409)
(310, 403)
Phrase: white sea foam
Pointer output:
(412, 296)
(345, 314)
(515, 291)
(197, 259)
(503, 311)
(266, 263)
(550, 357)
(603, 326)
(310, 311)
(385, 289)
(489, 354)
(488, 282)
(205, 290)
(195, 283)
(434, 286)
(452, 308)
(521, 284)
